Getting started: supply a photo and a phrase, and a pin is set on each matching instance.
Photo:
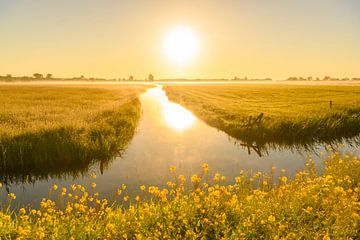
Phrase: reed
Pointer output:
(47, 131)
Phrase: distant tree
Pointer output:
(48, 76)
(309, 78)
(7, 78)
(82, 77)
(38, 75)
(327, 78)
(151, 78)
(131, 78)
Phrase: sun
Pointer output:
(181, 45)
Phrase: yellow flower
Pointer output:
(249, 198)
(271, 218)
(283, 179)
(22, 211)
(172, 168)
(195, 178)
(326, 237)
(93, 185)
(12, 196)
(137, 198)
(110, 227)
(182, 178)
(126, 198)
(142, 188)
(205, 167)
(217, 177)
(55, 187)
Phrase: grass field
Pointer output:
(291, 113)
(56, 129)
(254, 207)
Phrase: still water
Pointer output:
(169, 135)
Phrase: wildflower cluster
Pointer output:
(253, 207)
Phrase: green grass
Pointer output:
(292, 113)
(55, 130)
(254, 207)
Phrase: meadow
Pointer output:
(276, 113)
(257, 206)
(54, 130)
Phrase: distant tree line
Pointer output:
(35, 76)
(150, 78)
(326, 78)
(49, 76)
(236, 78)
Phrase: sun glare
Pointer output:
(181, 45)
(173, 115)
(177, 117)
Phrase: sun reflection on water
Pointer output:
(177, 117)
(174, 115)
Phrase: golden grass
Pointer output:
(55, 130)
(292, 113)
(36, 108)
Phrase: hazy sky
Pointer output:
(113, 38)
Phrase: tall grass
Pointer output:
(253, 207)
(291, 113)
(51, 131)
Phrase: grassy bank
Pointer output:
(54, 130)
(254, 207)
(284, 114)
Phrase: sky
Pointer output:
(115, 39)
